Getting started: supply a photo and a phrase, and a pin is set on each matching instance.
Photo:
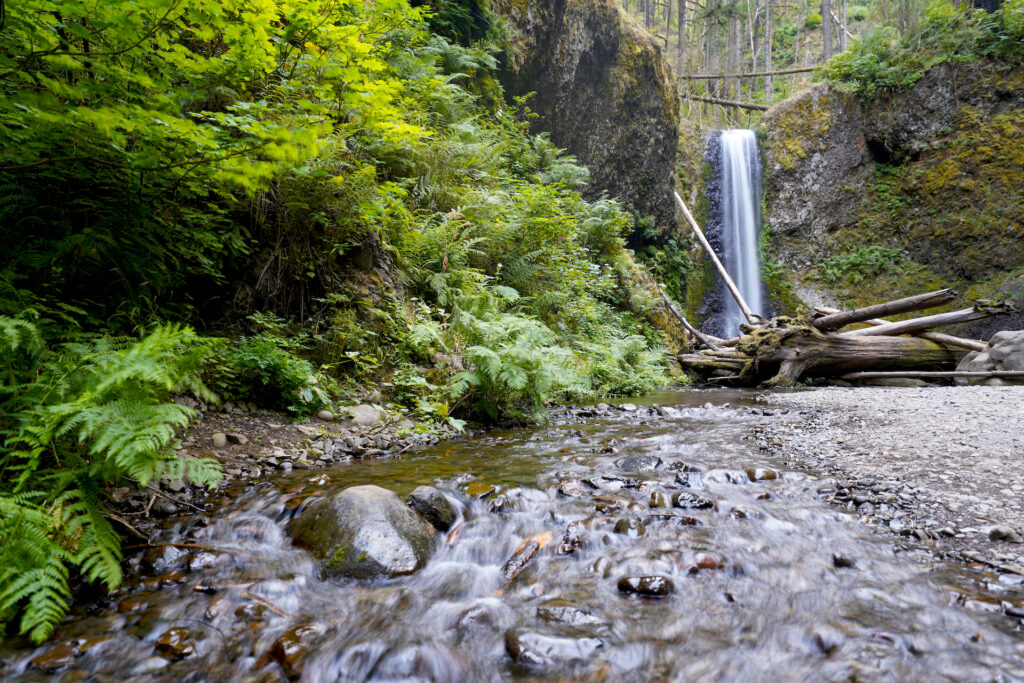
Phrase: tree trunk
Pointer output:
(769, 38)
(682, 36)
(826, 28)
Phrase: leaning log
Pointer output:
(981, 310)
(686, 324)
(911, 303)
(730, 285)
(940, 337)
(784, 356)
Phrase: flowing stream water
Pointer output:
(770, 582)
(741, 222)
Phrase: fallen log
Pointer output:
(792, 353)
(853, 376)
(981, 310)
(839, 319)
(940, 337)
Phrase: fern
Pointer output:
(76, 418)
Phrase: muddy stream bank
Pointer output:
(763, 573)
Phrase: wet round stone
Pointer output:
(706, 561)
(541, 649)
(573, 488)
(291, 648)
(176, 643)
(761, 474)
(364, 532)
(560, 611)
(250, 612)
(479, 489)
(660, 499)
(54, 659)
(575, 536)
(630, 526)
(434, 507)
(647, 586)
(691, 501)
(638, 463)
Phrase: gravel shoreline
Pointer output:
(943, 464)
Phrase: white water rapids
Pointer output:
(741, 222)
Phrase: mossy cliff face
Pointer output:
(602, 91)
(867, 200)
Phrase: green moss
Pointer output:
(797, 128)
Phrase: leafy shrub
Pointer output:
(75, 418)
(862, 264)
(812, 21)
(267, 369)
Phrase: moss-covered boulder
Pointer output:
(363, 532)
(603, 92)
(867, 199)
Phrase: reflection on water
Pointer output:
(771, 582)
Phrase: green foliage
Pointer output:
(267, 368)
(862, 264)
(812, 21)
(132, 132)
(76, 417)
(948, 32)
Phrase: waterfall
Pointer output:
(735, 221)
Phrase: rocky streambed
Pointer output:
(658, 540)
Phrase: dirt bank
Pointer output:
(944, 464)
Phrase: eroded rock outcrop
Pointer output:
(602, 91)
(902, 192)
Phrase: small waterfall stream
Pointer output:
(736, 220)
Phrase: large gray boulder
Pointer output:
(1005, 352)
(363, 532)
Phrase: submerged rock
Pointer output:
(691, 501)
(541, 649)
(561, 611)
(638, 463)
(434, 507)
(176, 643)
(363, 532)
(54, 659)
(291, 648)
(648, 586)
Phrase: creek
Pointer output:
(770, 581)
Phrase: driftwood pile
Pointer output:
(784, 351)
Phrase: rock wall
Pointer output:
(908, 191)
(603, 92)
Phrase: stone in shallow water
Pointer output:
(291, 648)
(540, 649)
(479, 489)
(638, 463)
(574, 538)
(54, 659)
(630, 526)
(364, 532)
(434, 507)
(761, 474)
(176, 643)
(660, 499)
(691, 501)
(561, 611)
(647, 586)
(573, 488)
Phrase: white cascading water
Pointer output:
(741, 222)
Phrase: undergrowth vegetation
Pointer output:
(333, 191)
(947, 32)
